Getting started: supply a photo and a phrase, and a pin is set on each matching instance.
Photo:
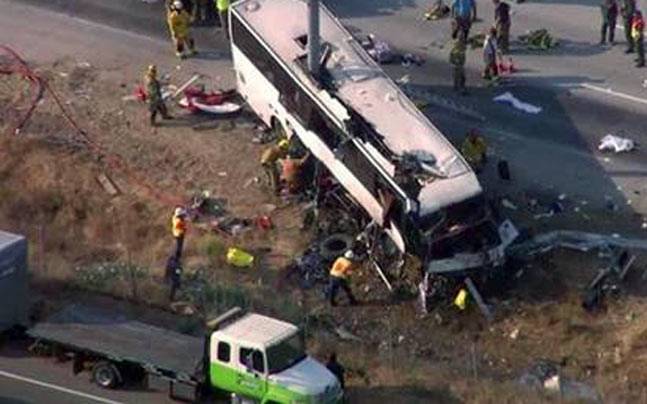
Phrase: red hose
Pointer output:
(16, 65)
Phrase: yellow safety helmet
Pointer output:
(152, 70)
(284, 144)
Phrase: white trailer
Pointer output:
(13, 281)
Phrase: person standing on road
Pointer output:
(457, 60)
(463, 15)
(223, 9)
(341, 269)
(179, 22)
(154, 95)
(490, 71)
(609, 10)
(628, 9)
(178, 229)
(638, 36)
(502, 25)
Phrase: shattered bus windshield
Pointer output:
(286, 353)
(464, 227)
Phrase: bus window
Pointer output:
(360, 166)
(325, 129)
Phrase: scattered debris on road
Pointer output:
(616, 144)
(378, 49)
(539, 39)
(508, 98)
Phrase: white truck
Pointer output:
(250, 356)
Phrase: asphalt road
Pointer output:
(25, 379)
(556, 149)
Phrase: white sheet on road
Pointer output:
(508, 98)
(616, 144)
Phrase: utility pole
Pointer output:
(313, 37)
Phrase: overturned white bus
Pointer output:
(355, 120)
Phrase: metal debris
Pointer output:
(577, 240)
(344, 334)
(107, 184)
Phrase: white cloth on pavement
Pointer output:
(616, 143)
(508, 98)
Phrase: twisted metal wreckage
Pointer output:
(616, 249)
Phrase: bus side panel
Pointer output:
(254, 87)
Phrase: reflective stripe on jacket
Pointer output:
(342, 267)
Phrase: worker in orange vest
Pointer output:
(291, 172)
(178, 229)
(341, 269)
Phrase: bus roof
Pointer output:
(362, 85)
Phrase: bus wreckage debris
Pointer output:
(577, 240)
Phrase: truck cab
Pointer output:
(264, 359)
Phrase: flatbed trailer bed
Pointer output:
(124, 343)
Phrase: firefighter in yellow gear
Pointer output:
(457, 60)
(154, 95)
(341, 269)
(474, 150)
(179, 23)
(269, 160)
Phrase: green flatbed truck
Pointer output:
(248, 356)
(252, 357)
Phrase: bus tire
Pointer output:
(106, 375)
(335, 246)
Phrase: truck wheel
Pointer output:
(106, 375)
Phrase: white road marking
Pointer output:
(604, 90)
(57, 388)
(614, 93)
